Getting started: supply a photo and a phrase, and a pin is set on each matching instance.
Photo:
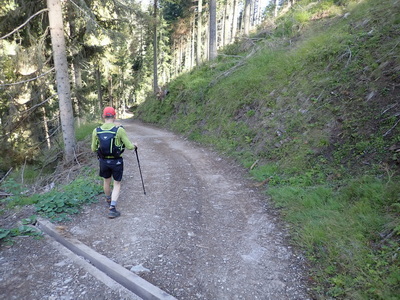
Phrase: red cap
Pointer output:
(108, 112)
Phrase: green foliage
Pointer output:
(18, 194)
(302, 17)
(6, 235)
(29, 173)
(58, 204)
(30, 220)
(85, 131)
(11, 186)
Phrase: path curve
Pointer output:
(201, 231)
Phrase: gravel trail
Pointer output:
(202, 231)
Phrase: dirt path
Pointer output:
(201, 232)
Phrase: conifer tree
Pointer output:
(213, 30)
(62, 77)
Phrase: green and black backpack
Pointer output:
(107, 143)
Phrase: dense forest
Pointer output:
(113, 52)
(304, 94)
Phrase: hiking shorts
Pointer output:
(111, 167)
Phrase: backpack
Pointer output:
(107, 147)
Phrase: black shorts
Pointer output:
(111, 167)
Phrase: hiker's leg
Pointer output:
(106, 172)
(113, 213)
(107, 186)
(115, 192)
(118, 170)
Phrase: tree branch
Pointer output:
(25, 81)
(389, 108)
(39, 104)
(19, 27)
(4, 177)
(234, 68)
(394, 126)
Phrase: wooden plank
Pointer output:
(126, 278)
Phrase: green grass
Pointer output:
(85, 130)
(311, 106)
(341, 229)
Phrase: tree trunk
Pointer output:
(207, 39)
(155, 67)
(225, 25)
(246, 17)
(252, 11)
(192, 41)
(75, 64)
(199, 32)
(229, 22)
(187, 51)
(256, 12)
(181, 56)
(63, 85)
(213, 30)
(110, 91)
(46, 128)
(235, 19)
(78, 86)
(98, 84)
(174, 59)
(276, 8)
(122, 88)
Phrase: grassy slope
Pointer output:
(317, 106)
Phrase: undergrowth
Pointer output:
(59, 201)
(7, 235)
(85, 130)
(56, 205)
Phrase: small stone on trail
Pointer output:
(139, 269)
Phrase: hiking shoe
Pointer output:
(113, 213)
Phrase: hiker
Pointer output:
(162, 93)
(109, 141)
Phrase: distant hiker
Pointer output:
(110, 141)
(162, 93)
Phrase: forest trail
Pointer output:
(202, 231)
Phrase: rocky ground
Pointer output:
(202, 231)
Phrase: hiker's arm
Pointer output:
(94, 141)
(125, 140)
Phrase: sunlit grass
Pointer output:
(337, 227)
(84, 130)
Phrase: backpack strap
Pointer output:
(114, 129)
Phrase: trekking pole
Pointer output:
(140, 170)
